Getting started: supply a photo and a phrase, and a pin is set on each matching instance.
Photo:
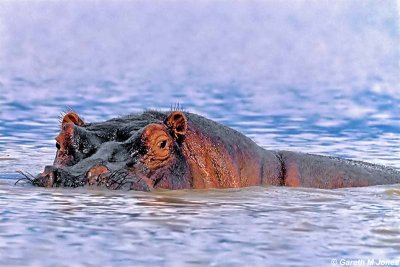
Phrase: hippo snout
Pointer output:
(46, 178)
(97, 175)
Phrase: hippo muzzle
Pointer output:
(98, 176)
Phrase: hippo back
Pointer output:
(221, 157)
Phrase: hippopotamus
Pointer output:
(182, 150)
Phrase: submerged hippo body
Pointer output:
(180, 150)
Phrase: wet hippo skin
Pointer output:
(181, 150)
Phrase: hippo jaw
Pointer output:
(149, 159)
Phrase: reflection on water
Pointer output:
(307, 76)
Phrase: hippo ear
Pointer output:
(72, 117)
(177, 123)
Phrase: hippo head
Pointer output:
(139, 152)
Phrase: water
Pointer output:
(320, 77)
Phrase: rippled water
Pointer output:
(320, 77)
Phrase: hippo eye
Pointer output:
(162, 144)
(58, 146)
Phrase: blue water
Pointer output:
(319, 77)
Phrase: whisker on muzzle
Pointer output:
(123, 181)
(119, 179)
(113, 174)
(25, 178)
